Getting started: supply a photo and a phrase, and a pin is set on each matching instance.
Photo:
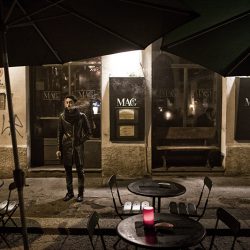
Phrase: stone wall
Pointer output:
(237, 154)
(124, 160)
(7, 161)
(238, 160)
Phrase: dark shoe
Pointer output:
(68, 197)
(79, 198)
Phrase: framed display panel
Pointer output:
(127, 131)
(127, 108)
(242, 108)
(127, 115)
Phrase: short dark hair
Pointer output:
(72, 97)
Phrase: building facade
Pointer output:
(126, 119)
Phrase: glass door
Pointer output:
(49, 85)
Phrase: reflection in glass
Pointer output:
(49, 85)
(53, 82)
(186, 101)
(183, 94)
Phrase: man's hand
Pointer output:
(58, 155)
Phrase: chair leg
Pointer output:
(5, 241)
(116, 243)
(103, 242)
(9, 218)
(202, 246)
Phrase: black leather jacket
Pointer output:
(71, 138)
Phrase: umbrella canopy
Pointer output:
(37, 32)
(219, 39)
(57, 31)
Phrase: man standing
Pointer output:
(73, 131)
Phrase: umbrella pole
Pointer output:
(18, 172)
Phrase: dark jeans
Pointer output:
(69, 179)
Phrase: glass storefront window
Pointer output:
(49, 84)
(201, 98)
(186, 111)
(183, 94)
(85, 84)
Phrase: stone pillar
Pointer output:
(237, 154)
(124, 159)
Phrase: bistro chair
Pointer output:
(7, 209)
(190, 209)
(92, 223)
(126, 208)
(229, 221)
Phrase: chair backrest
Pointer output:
(115, 193)
(12, 186)
(92, 223)
(208, 184)
(9, 207)
(229, 221)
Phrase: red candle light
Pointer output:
(148, 216)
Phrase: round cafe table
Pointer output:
(185, 232)
(156, 189)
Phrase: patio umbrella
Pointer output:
(40, 32)
(219, 39)
(57, 31)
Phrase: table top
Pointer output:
(186, 232)
(156, 188)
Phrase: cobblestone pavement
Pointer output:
(43, 200)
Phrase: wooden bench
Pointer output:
(185, 139)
